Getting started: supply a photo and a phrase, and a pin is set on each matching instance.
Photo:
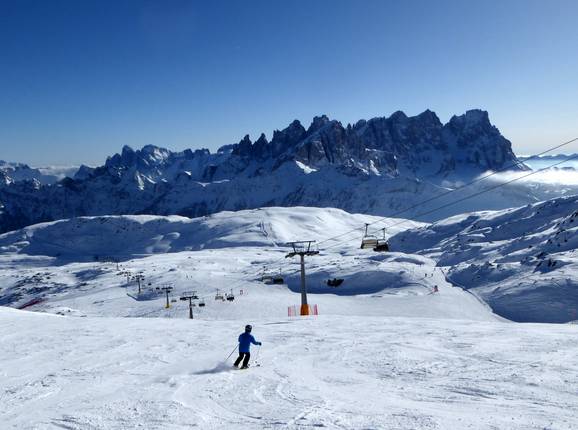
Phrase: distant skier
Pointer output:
(435, 290)
(245, 341)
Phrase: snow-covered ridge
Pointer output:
(129, 236)
(11, 173)
(373, 167)
(522, 261)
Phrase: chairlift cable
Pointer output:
(464, 198)
(481, 178)
(486, 190)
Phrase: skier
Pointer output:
(245, 341)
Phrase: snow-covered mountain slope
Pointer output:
(521, 261)
(378, 167)
(11, 173)
(128, 236)
(68, 266)
(326, 372)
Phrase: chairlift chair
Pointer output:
(231, 296)
(368, 241)
(269, 279)
(382, 244)
(265, 277)
(278, 279)
(202, 304)
(335, 282)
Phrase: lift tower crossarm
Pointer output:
(190, 296)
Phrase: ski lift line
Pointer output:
(481, 178)
(248, 278)
(383, 219)
(534, 172)
(490, 188)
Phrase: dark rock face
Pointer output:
(480, 143)
(158, 181)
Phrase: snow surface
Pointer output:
(384, 353)
(55, 263)
(325, 372)
(522, 261)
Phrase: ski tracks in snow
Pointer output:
(265, 227)
(328, 372)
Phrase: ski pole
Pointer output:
(257, 355)
(228, 356)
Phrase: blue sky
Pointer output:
(79, 79)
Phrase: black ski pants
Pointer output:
(246, 355)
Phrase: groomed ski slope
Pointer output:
(326, 372)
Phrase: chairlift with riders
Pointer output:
(382, 244)
(368, 241)
(269, 278)
(335, 282)
(230, 297)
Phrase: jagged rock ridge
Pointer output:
(373, 166)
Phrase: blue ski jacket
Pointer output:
(245, 341)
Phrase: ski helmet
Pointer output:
(248, 328)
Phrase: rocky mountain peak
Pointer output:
(318, 123)
(287, 138)
(158, 181)
(398, 116)
(429, 117)
(474, 118)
